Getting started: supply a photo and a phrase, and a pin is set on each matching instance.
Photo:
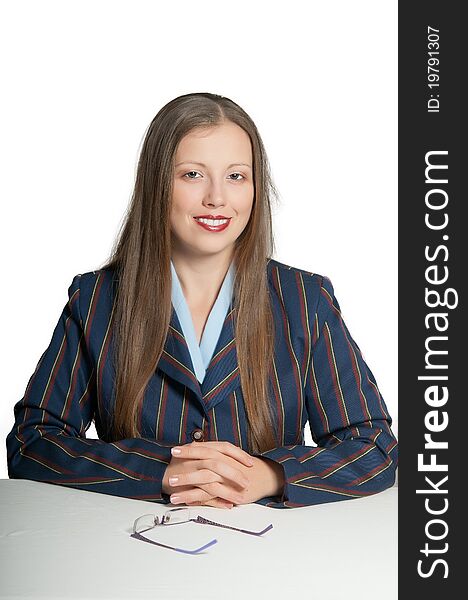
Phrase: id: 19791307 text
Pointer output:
(433, 75)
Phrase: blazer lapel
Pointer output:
(176, 360)
(222, 374)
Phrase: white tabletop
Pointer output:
(59, 542)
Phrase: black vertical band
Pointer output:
(432, 297)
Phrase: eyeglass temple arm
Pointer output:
(196, 551)
(200, 519)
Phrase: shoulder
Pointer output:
(290, 275)
(295, 286)
(299, 290)
(93, 287)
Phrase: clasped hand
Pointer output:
(217, 474)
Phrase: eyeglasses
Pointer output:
(175, 516)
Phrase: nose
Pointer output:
(214, 195)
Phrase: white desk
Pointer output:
(58, 542)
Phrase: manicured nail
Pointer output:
(176, 450)
(175, 499)
(173, 480)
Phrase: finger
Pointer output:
(196, 494)
(224, 447)
(209, 461)
(215, 502)
(233, 451)
(204, 476)
(214, 471)
(211, 500)
(219, 503)
(190, 496)
(225, 492)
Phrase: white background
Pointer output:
(81, 83)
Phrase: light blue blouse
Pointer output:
(201, 354)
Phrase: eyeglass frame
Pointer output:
(199, 519)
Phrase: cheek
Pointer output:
(244, 208)
(178, 219)
(241, 197)
(182, 206)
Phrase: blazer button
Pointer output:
(197, 435)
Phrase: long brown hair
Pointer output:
(141, 258)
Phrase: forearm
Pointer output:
(130, 468)
(352, 468)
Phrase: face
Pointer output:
(213, 176)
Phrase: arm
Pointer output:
(356, 453)
(48, 443)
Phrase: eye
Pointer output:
(188, 173)
(238, 174)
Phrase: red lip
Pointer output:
(211, 217)
(213, 228)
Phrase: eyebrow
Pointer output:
(194, 162)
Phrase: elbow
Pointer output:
(14, 466)
(383, 475)
(378, 472)
(15, 458)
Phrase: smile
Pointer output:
(213, 224)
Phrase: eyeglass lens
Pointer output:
(171, 517)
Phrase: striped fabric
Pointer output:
(319, 376)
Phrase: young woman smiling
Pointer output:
(199, 357)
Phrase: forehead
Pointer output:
(219, 144)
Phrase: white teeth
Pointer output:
(212, 222)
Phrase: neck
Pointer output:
(201, 278)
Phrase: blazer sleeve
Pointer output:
(48, 443)
(356, 452)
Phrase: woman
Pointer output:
(192, 338)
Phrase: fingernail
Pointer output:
(175, 499)
(251, 462)
(173, 480)
(176, 450)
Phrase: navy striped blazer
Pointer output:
(320, 377)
